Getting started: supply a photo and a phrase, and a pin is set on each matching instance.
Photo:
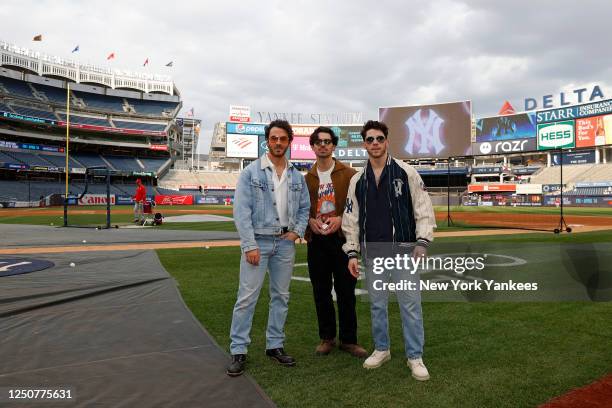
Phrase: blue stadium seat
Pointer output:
(139, 126)
(5, 158)
(4, 108)
(36, 113)
(60, 161)
(152, 164)
(89, 160)
(102, 102)
(16, 87)
(53, 94)
(83, 120)
(31, 159)
(123, 163)
(153, 108)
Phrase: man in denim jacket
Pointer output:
(271, 208)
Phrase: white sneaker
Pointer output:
(419, 371)
(377, 359)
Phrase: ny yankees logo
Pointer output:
(428, 132)
(348, 208)
(397, 185)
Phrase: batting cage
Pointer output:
(92, 190)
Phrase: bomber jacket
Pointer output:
(341, 177)
(411, 209)
(255, 204)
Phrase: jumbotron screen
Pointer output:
(429, 131)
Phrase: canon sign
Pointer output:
(504, 146)
(556, 135)
(96, 199)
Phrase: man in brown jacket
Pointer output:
(328, 182)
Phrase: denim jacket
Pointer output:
(254, 204)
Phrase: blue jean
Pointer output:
(410, 311)
(277, 257)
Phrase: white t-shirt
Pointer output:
(280, 191)
(326, 201)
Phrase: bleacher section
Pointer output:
(37, 113)
(79, 160)
(590, 191)
(175, 178)
(5, 108)
(139, 125)
(153, 164)
(15, 87)
(31, 159)
(7, 159)
(53, 94)
(599, 172)
(89, 160)
(85, 120)
(60, 161)
(552, 175)
(123, 163)
(102, 102)
(167, 191)
(153, 108)
(23, 190)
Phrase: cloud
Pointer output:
(342, 56)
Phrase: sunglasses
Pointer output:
(276, 139)
(370, 139)
(325, 142)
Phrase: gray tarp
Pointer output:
(115, 330)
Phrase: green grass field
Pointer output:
(76, 218)
(506, 354)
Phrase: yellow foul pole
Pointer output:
(67, 132)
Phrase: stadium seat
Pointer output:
(124, 163)
(16, 87)
(36, 113)
(85, 120)
(139, 125)
(152, 164)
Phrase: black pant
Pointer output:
(326, 260)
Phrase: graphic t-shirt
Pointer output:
(326, 203)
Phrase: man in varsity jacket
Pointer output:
(388, 205)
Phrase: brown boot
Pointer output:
(354, 350)
(325, 347)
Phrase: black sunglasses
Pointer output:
(379, 139)
(320, 142)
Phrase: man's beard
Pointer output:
(273, 151)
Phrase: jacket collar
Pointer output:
(338, 165)
(265, 162)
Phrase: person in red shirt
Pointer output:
(139, 199)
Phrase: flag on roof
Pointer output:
(110, 56)
(507, 109)
(37, 37)
(75, 49)
(169, 64)
(146, 62)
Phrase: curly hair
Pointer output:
(374, 124)
(323, 129)
(282, 124)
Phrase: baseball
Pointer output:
(72, 265)
(84, 241)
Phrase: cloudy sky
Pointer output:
(333, 56)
